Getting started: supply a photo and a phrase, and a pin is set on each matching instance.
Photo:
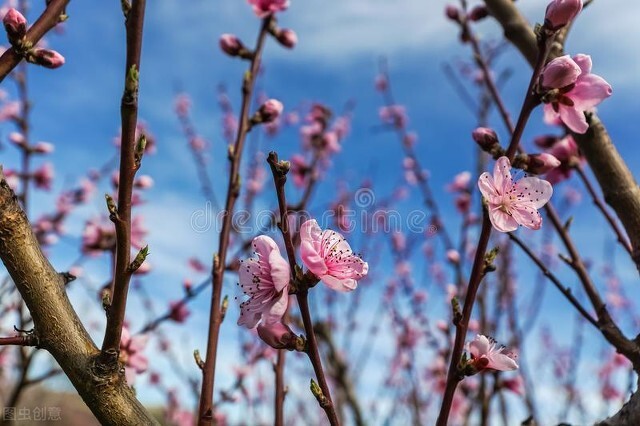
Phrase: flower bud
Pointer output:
(277, 335)
(43, 148)
(231, 45)
(452, 12)
(542, 163)
(287, 38)
(16, 26)
(560, 12)
(269, 111)
(478, 13)
(485, 137)
(45, 57)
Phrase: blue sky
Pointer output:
(340, 42)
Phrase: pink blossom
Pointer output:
(17, 138)
(485, 355)
(512, 203)
(299, 170)
(98, 236)
(460, 182)
(265, 280)
(43, 177)
(328, 255)
(381, 83)
(394, 114)
(182, 104)
(197, 265)
(143, 182)
(178, 311)
(131, 354)
(485, 137)
(270, 110)
(264, 8)
(572, 90)
(567, 152)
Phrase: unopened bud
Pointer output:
(286, 37)
(231, 45)
(45, 57)
(560, 12)
(277, 335)
(452, 12)
(16, 26)
(485, 137)
(542, 163)
(268, 112)
(478, 13)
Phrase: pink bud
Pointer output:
(17, 138)
(560, 12)
(230, 44)
(478, 13)
(178, 311)
(46, 58)
(43, 148)
(542, 163)
(286, 37)
(485, 137)
(143, 182)
(15, 24)
(277, 335)
(453, 256)
(560, 72)
(452, 12)
(270, 110)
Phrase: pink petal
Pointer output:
(310, 242)
(527, 216)
(551, 117)
(346, 284)
(502, 175)
(584, 62)
(502, 221)
(535, 190)
(589, 92)
(264, 245)
(479, 346)
(560, 72)
(277, 311)
(502, 362)
(487, 186)
(574, 119)
(280, 271)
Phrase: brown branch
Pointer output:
(24, 340)
(279, 178)
(547, 273)
(129, 164)
(205, 411)
(57, 326)
(622, 238)
(49, 19)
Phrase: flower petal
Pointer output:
(502, 221)
(589, 92)
(574, 119)
(534, 190)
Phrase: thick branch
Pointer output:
(57, 326)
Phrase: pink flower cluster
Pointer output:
(485, 355)
(569, 90)
(265, 278)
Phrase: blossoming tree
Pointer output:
(315, 342)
